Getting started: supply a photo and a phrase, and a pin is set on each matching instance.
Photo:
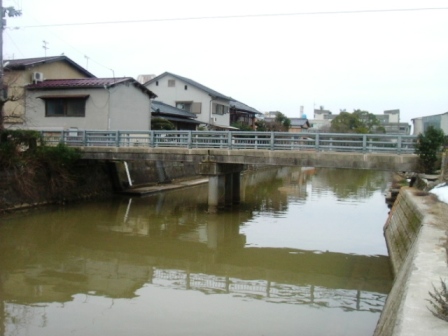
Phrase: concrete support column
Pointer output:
(224, 183)
(213, 193)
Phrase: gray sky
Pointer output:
(371, 60)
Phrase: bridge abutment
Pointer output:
(224, 183)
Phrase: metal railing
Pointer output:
(384, 143)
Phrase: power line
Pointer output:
(362, 11)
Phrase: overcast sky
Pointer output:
(343, 54)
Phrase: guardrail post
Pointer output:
(190, 140)
(272, 140)
(317, 141)
(152, 141)
(364, 143)
(117, 138)
(84, 138)
(399, 139)
(229, 139)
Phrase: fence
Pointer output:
(400, 144)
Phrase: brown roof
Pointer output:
(26, 63)
(83, 83)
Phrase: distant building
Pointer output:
(439, 121)
(142, 79)
(299, 125)
(390, 120)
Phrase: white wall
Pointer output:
(130, 108)
(417, 126)
(171, 95)
(444, 123)
(97, 107)
(118, 108)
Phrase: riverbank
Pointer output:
(417, 240)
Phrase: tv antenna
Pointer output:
(45, 47)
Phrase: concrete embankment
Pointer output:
(417, 240)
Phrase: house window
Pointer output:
(157, 83)
(186, 87)
(220, 109)
(184, 105)
(65, 106)
(171, 83)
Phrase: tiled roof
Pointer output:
(213, 93)
(26, 63)
(299, 122)
(159, 107)
(243, 107)
(83, 83)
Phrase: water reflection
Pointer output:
(169, 242)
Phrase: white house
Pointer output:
(210, 106)
(88, 104)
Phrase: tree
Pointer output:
(281, 123)
(242, 126)
(10, 12)
(429, 146)
(357, 122)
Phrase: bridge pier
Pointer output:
(224, 183)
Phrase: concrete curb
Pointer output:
(424, 264)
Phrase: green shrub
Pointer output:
(428, 148)
(162, 124)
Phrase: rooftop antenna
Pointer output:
(45, 47)
(87, 61)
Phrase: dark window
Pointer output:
(65, 107)
(220, 109)
(157, 83)
(186, 87)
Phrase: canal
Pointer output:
(303, 254)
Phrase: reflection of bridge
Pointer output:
(361, 284)
(270, 291)
(168, 240)
(116, 266)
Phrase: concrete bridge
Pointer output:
(224, 166)
(301, 158)
(223, 155)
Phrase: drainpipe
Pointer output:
(108, 107)
(127, 173)
(211, 110)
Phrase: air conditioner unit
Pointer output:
(38, 77)
(214, 119)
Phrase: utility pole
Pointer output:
(2, 27)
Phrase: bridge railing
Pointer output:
(237, 140)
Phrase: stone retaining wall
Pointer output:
(416, 237)
(93, 179)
